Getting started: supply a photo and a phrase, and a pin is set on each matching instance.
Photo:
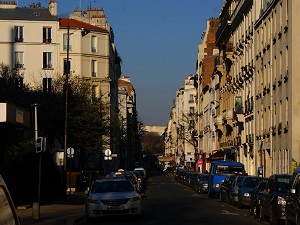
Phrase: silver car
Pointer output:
(113, 196)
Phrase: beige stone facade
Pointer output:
(248, 107)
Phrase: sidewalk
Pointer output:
(62, 211)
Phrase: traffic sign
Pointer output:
(107, 152)
(107, 158)
(39, 145)
(199, 162)
(70, 151)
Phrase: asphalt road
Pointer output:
(169, 202)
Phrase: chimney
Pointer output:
(53, 7)
(8, 5)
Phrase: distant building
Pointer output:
(130, 145)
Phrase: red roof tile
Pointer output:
(63, 22)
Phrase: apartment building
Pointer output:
(180, 136)
(129, 141)
(207, 86)
(253, 87)
(40, 47)
(33, 55)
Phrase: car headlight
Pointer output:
(136, 198)
(94, 201)
(246, 195)
(281, 201)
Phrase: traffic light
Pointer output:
(39, 145)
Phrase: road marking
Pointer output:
(225, 212)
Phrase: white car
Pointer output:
(113, 196)
(141, 170)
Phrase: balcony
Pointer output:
(229, 114)
(224, 29)
(218, 120)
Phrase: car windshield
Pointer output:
(251, 182)
(221, 169)
(283, 184)
(112, 186)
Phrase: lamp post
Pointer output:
(67, 66)
(66, 71)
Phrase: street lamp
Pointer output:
(67, 73)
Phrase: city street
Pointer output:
(169, 202)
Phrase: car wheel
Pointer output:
(287, 221)
(273, 220)
(239, 203)
(261, 215)
(251, 210)
(255, 211)
(227, 199)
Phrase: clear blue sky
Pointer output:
(157, 41)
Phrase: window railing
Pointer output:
(94, 74)
(18, 39)
(47, 66)
(47, 40)
(19, 65)
(94, 49)
(66, 47)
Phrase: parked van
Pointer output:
(8, 214)
(218, 172)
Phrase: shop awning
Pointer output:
(218, 155)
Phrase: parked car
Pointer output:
(255, 197)
(141, 170)
(8, 214)
(194, 181)
(113, 196)
(293, 199)
(233, 192)
(201, 183)
(273, 198)
(246, 187)
(225, 188)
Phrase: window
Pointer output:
(191, 98)
(94, 93)
(19, 59)
(47, 60)
(18, 34)
(65, 43)
(47, 84)
(94, 68)
(47, 34)
(67, 66)
(192, 110)
(94, 44)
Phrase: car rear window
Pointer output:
(112, 186)
(283, 184)
(251, 182)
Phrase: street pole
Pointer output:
(66, 100)
(36, 205)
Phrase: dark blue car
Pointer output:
(273, 203)
(255, 198)
(246, 188)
